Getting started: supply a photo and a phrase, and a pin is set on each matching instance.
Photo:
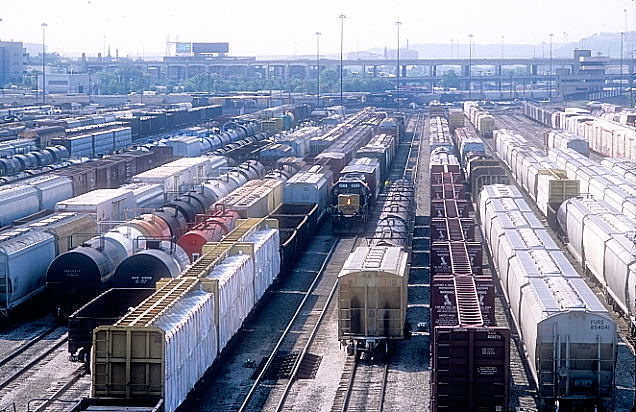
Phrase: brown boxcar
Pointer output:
(470, 369)
(83, 177)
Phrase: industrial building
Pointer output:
(12, 61)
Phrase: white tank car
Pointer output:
(569, 337)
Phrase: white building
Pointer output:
(64, 83)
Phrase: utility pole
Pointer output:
(341, 17)
(398, 24)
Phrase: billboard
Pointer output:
(183, 47)
(205, 48)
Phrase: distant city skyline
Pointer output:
(142, 27)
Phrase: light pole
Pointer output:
(470, 63)
(501, 65)
(550, 71)
(44, 25)
(398, 24)
(341, 17)
(318, 68)
(452, 41)
(620, 82)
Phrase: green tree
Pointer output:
(450, 79)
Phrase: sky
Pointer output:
(257, 27)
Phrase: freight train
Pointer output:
(551, 305)
(604, 136)
(356, 190)
(532, 267)
(80, 274)
(470, 353)
(373, 282)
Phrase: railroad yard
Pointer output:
(440, 258)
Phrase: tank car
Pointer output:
(207, 228)
(160, 259)
(395, 222)
(80, 274)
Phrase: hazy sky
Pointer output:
(287, 27)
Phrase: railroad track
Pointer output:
(76, 387)
(29, 355)
(362, 386)
(522, 126)
(299, 334)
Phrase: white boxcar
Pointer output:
(175, 348)
(554, 310)
(174, 181)
(240, 280)
(184, 146)
(181, 175)
(105, 204)
(147, 195)
(51, 189)
(567, 140)
(310, 187)
(24, 259)
(266, 259)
